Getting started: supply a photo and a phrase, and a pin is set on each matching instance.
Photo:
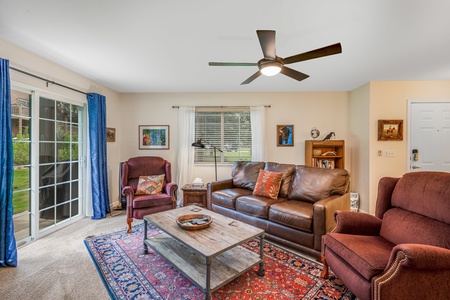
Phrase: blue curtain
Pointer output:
(97, 144)
(8, 250)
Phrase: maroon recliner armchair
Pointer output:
(403, 252)
(139, 206)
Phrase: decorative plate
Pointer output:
(194, 221)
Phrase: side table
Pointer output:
(194, 195)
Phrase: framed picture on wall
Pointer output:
(285, 135)
(110, 134)
(390, 130)
(154, 137)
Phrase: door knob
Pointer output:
(416, 167)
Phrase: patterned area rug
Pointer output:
(129, 274)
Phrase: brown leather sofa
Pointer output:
(403, 252)
(303, 212)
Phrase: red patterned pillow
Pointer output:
(268, 184)
(150, 185)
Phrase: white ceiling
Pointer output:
(165, 46)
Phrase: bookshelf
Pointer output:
(328, 154)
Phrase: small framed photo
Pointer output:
(154, 137)
(390, 130)
(110, 134)
(285, 135)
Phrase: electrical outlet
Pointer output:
(389, 153)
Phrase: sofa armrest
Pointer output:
(216, 186)
(407, 264)
(128, 192)
(323, 215)
(357, 223)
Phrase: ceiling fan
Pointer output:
(272, 64)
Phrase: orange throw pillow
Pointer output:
(150, 185)
(268, 184)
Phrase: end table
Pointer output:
(194, 194)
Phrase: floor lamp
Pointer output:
(199, 144)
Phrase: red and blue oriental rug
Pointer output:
(129, 274)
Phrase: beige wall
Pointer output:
(31, 63)
(389, 100)
(328, 111)
(359, 144)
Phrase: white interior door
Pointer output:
(429, 136)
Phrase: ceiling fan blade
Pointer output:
(325, 51)
(251, 78)
(293, 74)
(267, 41)
(231, 64)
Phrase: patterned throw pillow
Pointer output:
(150, 185)
(268, 184)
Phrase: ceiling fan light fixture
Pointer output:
(271, 68)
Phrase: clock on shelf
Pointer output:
(315, 133)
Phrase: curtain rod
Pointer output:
(176, 106)
(50, 81)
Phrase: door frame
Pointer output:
(410, 102)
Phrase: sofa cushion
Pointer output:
(288, 172)
(314, 184)
(293, 213)
(425, 193)
(227, 198)
(404, 227)
(268, 184)
(256, 206)
(368, 255)
(245, 174)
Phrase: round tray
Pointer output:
(184, 221)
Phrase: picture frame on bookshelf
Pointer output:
(285, 135)
(154, 137)
(390, 130)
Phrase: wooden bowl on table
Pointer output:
(194, 221)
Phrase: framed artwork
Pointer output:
(110, 134)
(285, 135)
(154, 137)
(390, 130)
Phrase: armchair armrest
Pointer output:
(323, 215)
(409, 262)
(127, 190)
(421, 256)
(357, 223)
(171, 189)
(216, 186)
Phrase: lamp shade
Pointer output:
(198, 144)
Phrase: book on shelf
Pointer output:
(323, 163)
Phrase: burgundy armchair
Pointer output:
(139, 206)
(403, 252)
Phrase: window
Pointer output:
(226, 129)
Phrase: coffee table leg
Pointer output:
(208, 278)
(261, 271)
(145, 237)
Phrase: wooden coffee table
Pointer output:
(209, 257)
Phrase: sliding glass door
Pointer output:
(48, 143)
(59, 161)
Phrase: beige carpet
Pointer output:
(59, 266)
